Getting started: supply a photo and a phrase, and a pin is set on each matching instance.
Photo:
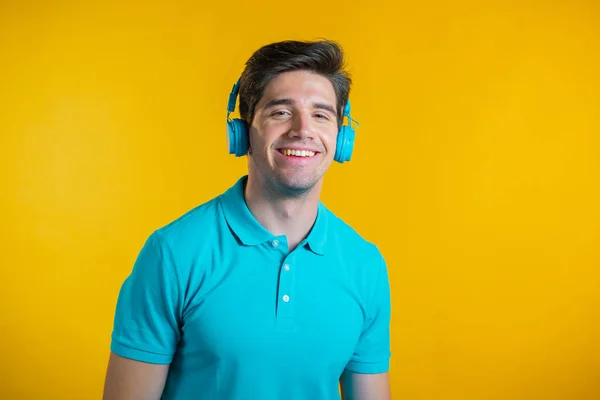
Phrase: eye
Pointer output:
(279, 113)
(322, 116)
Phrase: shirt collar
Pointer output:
(251, 233)
(317, 237)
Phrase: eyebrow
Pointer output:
(279, 102)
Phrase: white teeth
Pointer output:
(298, 153)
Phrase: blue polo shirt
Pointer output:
(239, 317)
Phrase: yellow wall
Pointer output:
(484, 119)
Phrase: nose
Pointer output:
(301, 128)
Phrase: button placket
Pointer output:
(286, 290)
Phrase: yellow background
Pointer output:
(481, 117)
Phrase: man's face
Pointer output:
(293, 133)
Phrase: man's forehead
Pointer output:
(298, 86)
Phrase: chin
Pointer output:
(297, 185)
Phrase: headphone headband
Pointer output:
(233, 97)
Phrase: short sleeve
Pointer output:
(146, 323)
(372, 353)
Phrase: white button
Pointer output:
(275, 243)
(286, 267)
(286, 298)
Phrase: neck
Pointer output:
(283, 215)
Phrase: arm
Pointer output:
(127, 379)
(146, 328)
(366, 374)
(365, 386)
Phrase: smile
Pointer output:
(297, 153)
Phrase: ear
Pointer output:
(249, 142)
(249, 138)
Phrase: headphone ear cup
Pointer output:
(237, 137)
(344, 144)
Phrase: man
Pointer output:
(262, 293)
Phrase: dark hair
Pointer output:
(323, 57)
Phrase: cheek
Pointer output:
(264, 138)
(329, 141)
(256, 139)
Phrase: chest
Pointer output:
(289, 311)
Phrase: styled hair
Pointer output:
(323, 57)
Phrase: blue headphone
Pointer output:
(237, 132)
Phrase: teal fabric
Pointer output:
(239, 317)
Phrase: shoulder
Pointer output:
(360, 260)
(192, 222)
(344, 236)
(181, 238)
